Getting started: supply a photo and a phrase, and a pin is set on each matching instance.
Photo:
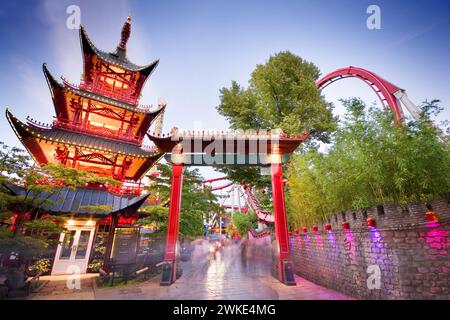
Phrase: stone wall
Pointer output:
(411, 253)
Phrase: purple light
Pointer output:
(432, 224)
(319, 242)
(349, 246)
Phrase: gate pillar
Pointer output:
(169, 266)
(285, 268)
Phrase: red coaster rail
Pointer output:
(261, 213)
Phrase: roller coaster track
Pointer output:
(390, 95)
(254, 203)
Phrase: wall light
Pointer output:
(304, 229)
(328, 227)
(371, 222)
(345, 225)
(315, 228)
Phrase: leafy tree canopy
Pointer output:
(195, 203)
(280, 94)
(244, 222)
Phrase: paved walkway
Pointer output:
(223, 278)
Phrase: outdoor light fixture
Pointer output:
(345, 225)
(296, 232)
(290, 234)
(328, 227)
(371, 222)
(305, 229)
(315, 228)
(431, 216)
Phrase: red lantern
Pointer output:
(371, 223)
(345, 225)
(328, 227)
(290, 234)
(315, 228)
(305, 229)
(431, 216)
(296, 232)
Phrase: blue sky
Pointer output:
(203, 45)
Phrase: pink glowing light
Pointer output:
(437, 240)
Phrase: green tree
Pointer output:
(281, 94)
(196, 202)
(371, 161)
(244, 222)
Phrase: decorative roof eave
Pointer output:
(89, 48)
(287, 142)
(51, 81)
(23, 131)
(35, 153)
(72, 201)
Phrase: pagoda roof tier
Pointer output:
(58, 88)
(42, 144)
(25, 131)
(117, 57)
(226, 143)
(64, 94)
(78, 201)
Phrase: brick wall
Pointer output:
(411, 253)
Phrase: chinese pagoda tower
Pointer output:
(99, 128)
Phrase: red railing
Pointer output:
(134, 101)
(100, 88)
(118, 134)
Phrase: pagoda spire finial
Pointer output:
(125, 35)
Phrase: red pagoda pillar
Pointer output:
(285, 268)
(170, 268)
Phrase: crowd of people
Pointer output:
(251, 255)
